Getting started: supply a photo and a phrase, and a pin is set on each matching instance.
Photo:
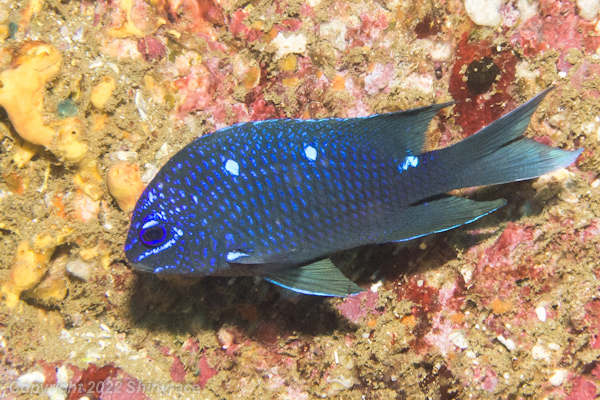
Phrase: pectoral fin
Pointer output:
(320, 278)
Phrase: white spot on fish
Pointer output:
(234, 255)
(311, 153)
(232, 167)
(149, 224)
(410, 161)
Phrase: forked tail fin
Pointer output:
(499, 153)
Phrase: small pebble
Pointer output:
(539, 352)
(484, 12)
(335, 33)
(553, 346)
(588, 9)
(375, 287)
(457, 337)
(123, 156)
(141, 105)
(558, 378)
(80, 269)
(527, 9)
(541, 313)
(294, 43)
(162, 152)
(78, 36)
(12, 30)
(508, 343)
(25, 381)
(93, 355)
(151, 171)
(66, 108)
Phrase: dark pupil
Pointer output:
(154, 235)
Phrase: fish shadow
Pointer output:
(253, 308)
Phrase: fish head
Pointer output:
(154, 239)
(163, 235)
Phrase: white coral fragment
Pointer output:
(484, 12)
(588, 9)
(335, 33)
(292, 44)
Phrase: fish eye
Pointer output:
(153, 234)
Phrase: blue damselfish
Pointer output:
(275, 198)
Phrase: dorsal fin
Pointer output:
(403, 132)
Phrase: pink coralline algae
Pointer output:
(444, 329)
(206, 372)
(557, 27)
(105, 383)
(199, 16)
(357, 307)
(592, 318)
(197, 88)
(583, 389)
(289, 25)
(487, 380)
(151, 48)
(177, 370)
(379, 78)
(369, 30)
(499, 260)
(239, 29)
(123, 387)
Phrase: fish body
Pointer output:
(275, 198)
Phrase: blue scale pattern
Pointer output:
(283, 196)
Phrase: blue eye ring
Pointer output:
(153, 234)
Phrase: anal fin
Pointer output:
(320, 278)
(439, 216)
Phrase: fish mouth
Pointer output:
(135, 261)
(141, 266)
